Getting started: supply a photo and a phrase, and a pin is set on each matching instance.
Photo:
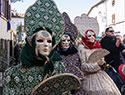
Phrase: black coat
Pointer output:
(17, 50)
(113, 58)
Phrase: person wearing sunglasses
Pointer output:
(113, 44)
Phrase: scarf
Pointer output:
(71, 50)
(28, 58)
(89, 44)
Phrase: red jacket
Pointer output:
(120, 68)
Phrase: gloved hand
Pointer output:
(101, 63)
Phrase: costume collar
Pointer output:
(90, 45)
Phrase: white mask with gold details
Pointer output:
(43, 43)
(65, 41)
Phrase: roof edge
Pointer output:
(95, 6)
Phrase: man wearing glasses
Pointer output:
(114, 46)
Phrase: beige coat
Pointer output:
(97, 81)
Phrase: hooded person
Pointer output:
(96, 80)
(39, 56)
(68, 50)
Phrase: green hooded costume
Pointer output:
(25, 77)
(21, 79)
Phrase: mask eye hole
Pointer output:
(40, 40)
(68, 40)
(89, 35)
(63, 40)
(49, 41)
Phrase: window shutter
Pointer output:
(9, 12)
(113, 2)
(0, 7)
(113, 19)
(7, 9)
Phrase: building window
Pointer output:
(113, 2)
(113, 19)
(5, 8)
(2, 7)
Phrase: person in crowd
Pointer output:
(39, 58)
(114, 46)
(96, 81)
(122, 57)
(17, 50)
(103, 35)
(124, 41)
(122, 73)
(68, 50)
(21, 79)
(122, 70)
(95, 71)
(122, 54)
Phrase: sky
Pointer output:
(72, 7)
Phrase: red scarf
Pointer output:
(88, 43)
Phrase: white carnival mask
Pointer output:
(65, 41)
(91, 36)
(43, 42)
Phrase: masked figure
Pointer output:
(39, 57)
(90, 39)
(65, 41)
(68, 50)
(96, 80)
